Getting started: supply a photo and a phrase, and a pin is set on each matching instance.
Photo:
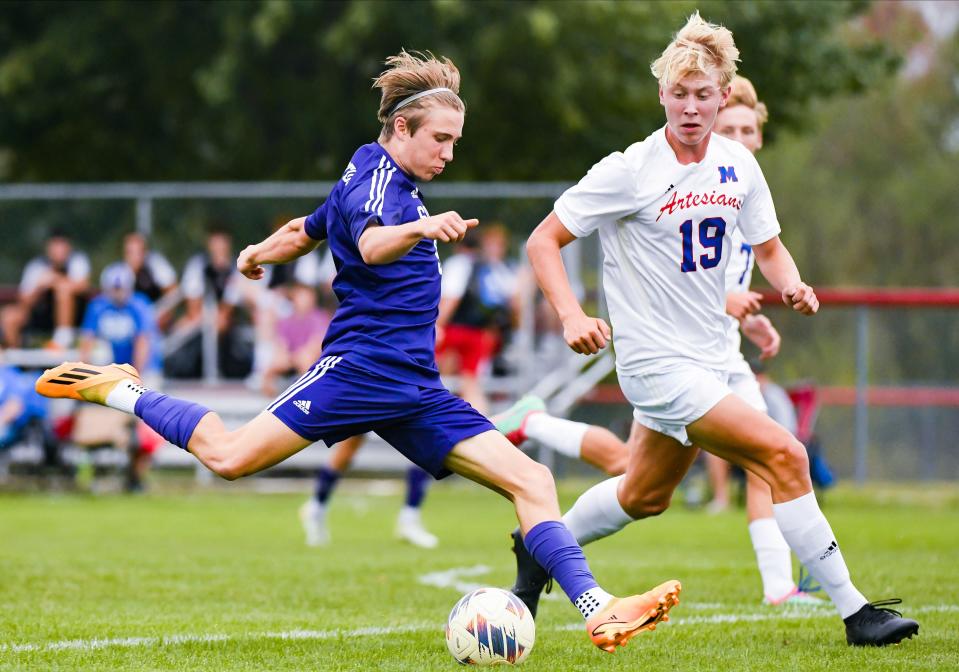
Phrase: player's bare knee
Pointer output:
(535, 481)
(789, 460)
(226, 462)
(644, 504)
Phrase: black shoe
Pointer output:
(530, 577)
(875, 625)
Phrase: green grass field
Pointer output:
(222, 581)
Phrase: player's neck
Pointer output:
(687, 154)
(395, 149)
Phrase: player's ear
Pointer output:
(724, 96)
(662, 99)
(400, 127)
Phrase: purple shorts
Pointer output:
(334, 401)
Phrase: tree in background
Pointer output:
(270, 89)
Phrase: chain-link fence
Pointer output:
(906, 350)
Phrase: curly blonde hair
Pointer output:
(698, 47)
(407, 74)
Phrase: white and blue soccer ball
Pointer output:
(490, 626)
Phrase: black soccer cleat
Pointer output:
(876, 625)
(530, 577)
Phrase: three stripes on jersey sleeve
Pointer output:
(381, 178)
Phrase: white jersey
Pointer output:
(739, 274)
(664, 228)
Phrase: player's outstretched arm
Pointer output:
(584, 334)
(284, 245)
(386, 244)
(780, 270)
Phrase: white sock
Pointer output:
(592, 600)
(409, 515)
(124, 395)
(316, 508)
(813, 541)
(597, 513)
(773, 558)
(63, 336)
(563, 436)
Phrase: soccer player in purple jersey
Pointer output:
(378, 370)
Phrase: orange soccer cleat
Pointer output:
(625, 617)
(84, 382)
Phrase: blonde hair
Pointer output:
(742, 92)
(407, 74)
(696, 48)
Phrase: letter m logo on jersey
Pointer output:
(727, 174)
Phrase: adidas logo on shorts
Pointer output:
(303, 405)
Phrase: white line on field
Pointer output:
(173, 640)
(453, 578)
(132, 642)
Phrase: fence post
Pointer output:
(928, 443)
(862, 386)
(145, 216)
(210, 339)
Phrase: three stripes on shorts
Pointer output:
(314, 374)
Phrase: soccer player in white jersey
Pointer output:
(664, 210)
(741, 119)
(378, 372)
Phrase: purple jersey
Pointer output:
(386, 321)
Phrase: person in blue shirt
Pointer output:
(19, 405)
(125, 320)
(378, 370)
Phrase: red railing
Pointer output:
(830, 395)
(880, 297)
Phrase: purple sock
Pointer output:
(173, 419)
(553, 546)
(417, 482)
(326, 479)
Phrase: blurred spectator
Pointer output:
(268, 302)
(51, 296)
(20, 405)
(477, 307)
(299, 337)
(154, 277)
(211, 276)
(124, 321)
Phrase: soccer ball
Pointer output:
(490, 626)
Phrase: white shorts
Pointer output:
(742, 381)
(671, 398)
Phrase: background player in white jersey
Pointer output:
(741, 119)
(378, 372)
(663, 209)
